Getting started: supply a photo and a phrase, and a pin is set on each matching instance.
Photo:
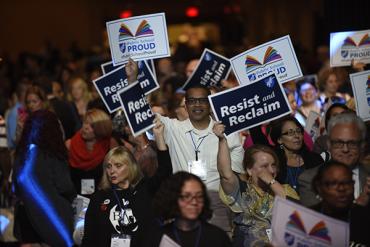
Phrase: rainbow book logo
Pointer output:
(142, 30)
(350, 43)
(295, 224)
(271, 55)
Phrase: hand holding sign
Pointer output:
(132, 70)
(158, 131)
(219, 129)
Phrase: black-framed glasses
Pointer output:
(193, 101)
(336, 184)
(292, 132)
(350, 144)
(189, 197)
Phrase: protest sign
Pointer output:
(295, 225)
(361, 90)
(140, 37)
(313, 124)
(109, 84)
(108, 67)
(211, 69)
(249, 105)
(348, 46)
(136, 108)
(276, 56)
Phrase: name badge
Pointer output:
(120, 240)
(199, 168)
(87, 186)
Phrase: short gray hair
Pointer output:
(348, 118)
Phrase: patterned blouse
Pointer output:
(253, 208)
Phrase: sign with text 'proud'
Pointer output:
(140, 37)
(276, 56)
(211, 69)
(249, 105)
(109, 84)
(136, 108)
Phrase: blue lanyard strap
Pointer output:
(196, 148)
(199, 233)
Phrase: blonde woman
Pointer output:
(120, 211)
(79, 95)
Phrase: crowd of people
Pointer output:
(183, 182)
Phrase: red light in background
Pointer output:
(192, 12)
(125, 13)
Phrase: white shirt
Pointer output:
(178, 136)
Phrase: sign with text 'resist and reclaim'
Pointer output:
(109, 84)
(140, 37)
(136, 108)
(348, 46)
(210, 71)
(295, 225)
(361, 90)
(276, 56)
(249, 105)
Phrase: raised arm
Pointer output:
(158, 131)
(229, 181)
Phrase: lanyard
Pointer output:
(196, 148)
(199, 233)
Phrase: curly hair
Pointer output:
(165, 202)
(43, 129)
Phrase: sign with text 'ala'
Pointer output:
(348, 46)
(136, 108)
(361, 90)
(140, 37)
(210, 71)
(276, 56)
(249, 105)
(109, 84)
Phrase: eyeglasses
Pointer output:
(291, 132)
(189, 197)
(340, 144)
(336, 184)
(193, 101)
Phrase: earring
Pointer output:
(281, 146)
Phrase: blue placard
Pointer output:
(109, 84)
(249, 105)
(108, 67)
(137, 110)
(210, 71)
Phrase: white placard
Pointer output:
(140, 37)
(276, 56)
(348, 46)
(313, 124)
(294, 225)
(361, 91)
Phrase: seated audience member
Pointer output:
(42, 183)
(320, 144)
(294, 157)
(183, 204)
(120, 210)
(250, 197)
(335, 186)
(87, 149)
(346, 133)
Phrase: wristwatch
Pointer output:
(272, 182)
